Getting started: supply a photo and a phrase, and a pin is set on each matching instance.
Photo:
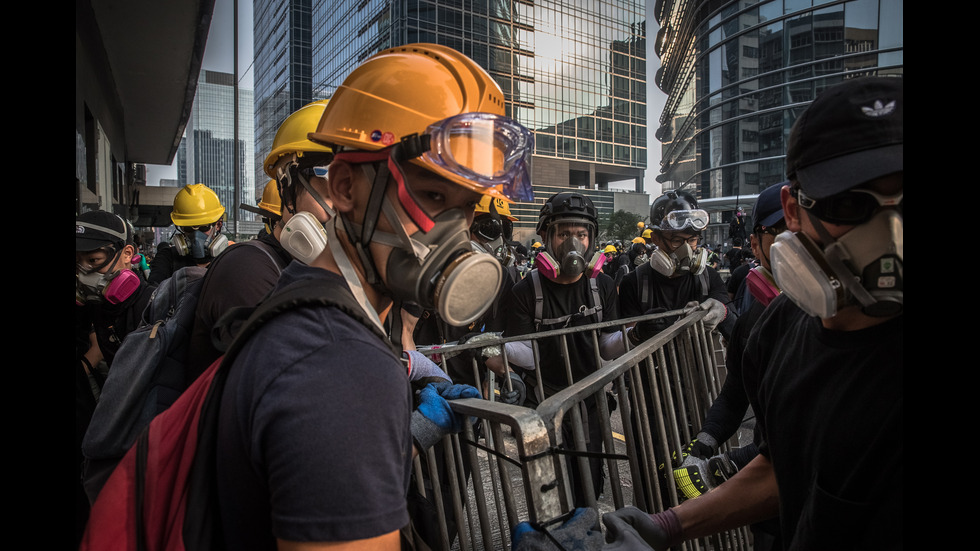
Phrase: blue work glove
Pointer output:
(579, 533)
(434, 418)
(630, 529)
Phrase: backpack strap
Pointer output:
(277, 260)
(705, 285)
(539, 318)
(643, 277)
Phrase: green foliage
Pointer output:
(619, 225)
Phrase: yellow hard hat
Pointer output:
(196, 205)
(500, 205)
(647, 233)
(537, 245)
(271, 201)
(412, 89)
(640, 225)
(638, 240)
(609, 249)
(291, 138)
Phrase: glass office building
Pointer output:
(738, 73)
(209, 147)
(572, 71)
(282, 50)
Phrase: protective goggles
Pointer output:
(851, 207)
(685, 220)
(491, 151)
(83, 266)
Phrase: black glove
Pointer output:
(629, 528)
(702, 446)
(646, 329)
(516, 396)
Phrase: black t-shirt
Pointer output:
(314, 440)
(560, 300)
(829, 405)
(166, 262)
(112, 322)
(644, 288)
(240, 276)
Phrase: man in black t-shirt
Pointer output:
(824, 366)
(573, 291)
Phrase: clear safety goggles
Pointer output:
(685, 219)
(492, 151)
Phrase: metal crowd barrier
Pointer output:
(514, 464)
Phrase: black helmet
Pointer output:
(680, 202)
(567, 204)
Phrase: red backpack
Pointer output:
(162, 495)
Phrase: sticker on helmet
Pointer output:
(388, 138)
(376, 135)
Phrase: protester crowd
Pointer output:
(391, 203)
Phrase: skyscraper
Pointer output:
(574, 72)
(283, 57)
(209, 144)
(737, 73)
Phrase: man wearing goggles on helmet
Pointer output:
(677, 272)
(676, 275)
(824, 365)
(419, 136)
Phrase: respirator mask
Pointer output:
(862, 267)
(436, 267)
(93, 286)
(439, 269)
(492, 231)
(197, 244)
(683, 260)
(570, 257)
(304, 237)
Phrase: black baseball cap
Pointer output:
(849, 135)
(97, 228)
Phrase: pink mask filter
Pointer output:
(761, 285)
(121, 287)
(546, 265)
(596, 265)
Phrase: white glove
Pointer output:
(716, 312)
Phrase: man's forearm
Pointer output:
(748, 497)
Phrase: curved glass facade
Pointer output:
(738, 73)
